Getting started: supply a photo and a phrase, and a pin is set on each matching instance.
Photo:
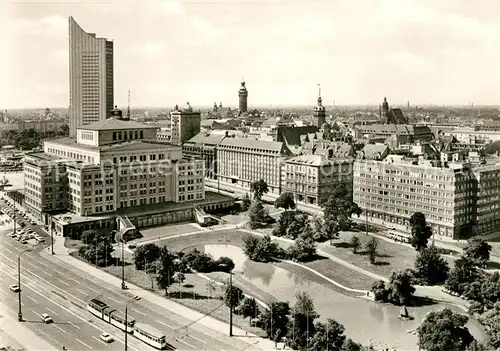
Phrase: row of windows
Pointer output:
(131, 135)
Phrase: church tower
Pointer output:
(319, 111)
(243, 97)
(385, 110)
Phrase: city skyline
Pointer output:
(408, 51)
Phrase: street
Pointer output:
(63, 292)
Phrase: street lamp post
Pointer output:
(14, 218)
(20, 312)
(230, 303)
(126, 323)
(51, 237)
(123, 268)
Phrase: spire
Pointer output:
(128, 107)
(320, 100)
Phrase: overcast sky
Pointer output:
(168, 52)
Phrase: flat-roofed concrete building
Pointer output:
(391, 190)
(396, 133)
(184, 124)
(312, 178)
(487, 206)
(243, 161)
(90, 77)
(204, 146)
(114, 166)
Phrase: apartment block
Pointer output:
(243, 161)
(184, 124)
(311, 178)
(487, 207)
(203, 146)
(393, 189)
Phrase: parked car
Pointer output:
(46, 318)
(106, 337)
(14, 287)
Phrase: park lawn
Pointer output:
(226, 237)
(391, 256)
(337, 272)
(192, 293)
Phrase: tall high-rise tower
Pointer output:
(319, 110)
(90, 77)
(243, 97)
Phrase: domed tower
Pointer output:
(319, 110)
(243, 95)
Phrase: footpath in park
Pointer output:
(62, 253)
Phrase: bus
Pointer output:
(110, 315)
(150, 336)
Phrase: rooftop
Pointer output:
(114, 124)
(204, 138)
(253, 144)
(316, 160)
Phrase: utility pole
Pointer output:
(123, 267)
(51, 236)
(366, 222)
(230, 303)
(20, 311)
(14, 217)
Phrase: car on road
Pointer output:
(106, 337)
(23, 242)
(46, 318)
(11, 235)
(14, 287)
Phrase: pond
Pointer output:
(365, 321)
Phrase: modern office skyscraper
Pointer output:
(90, 77)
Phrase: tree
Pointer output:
(265, 250)
(478, 251)
(338, 210)
(491, 320)
(420, 231)
(150, 269)
(248, 308)
(400, 290)
(259, 188)
(350, 345)
(430, 267)
(199, 261)
(330, 336)
(371, 249)
(274, 320)
(232, 295)
(285, 201)
(355, 244)
(246, 202)
(145, 254)
(379, 291)
(463, 273)
(444, 330)
(490, 290)
(250, 243)
(178, 277)
(257, 214)
(290, 224)
(302, 322)
(211, 286)
(164, 269)
(224, 264)
(304, 248)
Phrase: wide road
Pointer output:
(71, 288)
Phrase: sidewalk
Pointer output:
(209, 322)
(23, 335)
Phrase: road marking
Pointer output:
(96, 338)
(6, 249)
(76, 281)
(195, 338)
(43, 264)
(93, 289)
(32, 299)
(52, 311)
(63, 282)
(77, 327)
(113, 299)
(45, 284)
(84, 344)
(84, 293)
(136, 311)
(61, 329)
(34, 312)
(165, 324)
(185, 343)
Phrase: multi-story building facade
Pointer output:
(392, 190)
(90, 77)
(113, 165)
(184, 124)
(404, 133)
(163, 135)
(244, 161)
(487, 206)
(311, 178)
(204, 146)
